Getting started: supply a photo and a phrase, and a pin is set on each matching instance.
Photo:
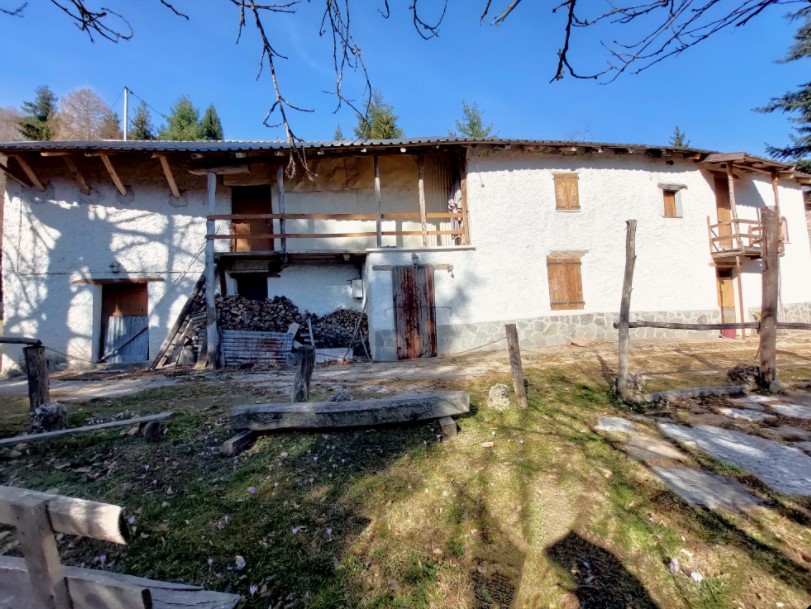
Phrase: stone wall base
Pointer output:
(549, 330)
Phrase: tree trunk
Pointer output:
(768, 308)
(625, 311)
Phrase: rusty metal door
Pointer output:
(414, 311)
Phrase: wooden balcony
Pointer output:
(740, 238)
(430, 226)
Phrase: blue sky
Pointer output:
(709, 91)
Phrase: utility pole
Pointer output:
(126, 112)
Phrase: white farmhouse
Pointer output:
(438, 241)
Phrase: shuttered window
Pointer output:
(565, 283)
(566, 195)
(671, 210)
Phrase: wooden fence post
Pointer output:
(39, 385)
(625, 310)
(212, 332)
(768, 308)
(515, 365)
(304, 372)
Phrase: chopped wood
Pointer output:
(238, 443)
(48, 435)
(357, 413)
(118, 588)
(69, 515)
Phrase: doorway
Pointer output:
(124, 323)
(726, 299)
(724, 211)
(414, 311)
(251, 200)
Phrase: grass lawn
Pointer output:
(551, 515)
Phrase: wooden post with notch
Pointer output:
(768, 308)
(378, 203)
(212, 332)
(304, 372)
(625, 310)
(39, 385)
(515, 365)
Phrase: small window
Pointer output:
(566, 195)
(253, 286)
(565, 283)
(671, 204)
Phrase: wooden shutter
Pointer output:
(670, 203)
(566, 194)
(565, 284)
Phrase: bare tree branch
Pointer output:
(14, 12)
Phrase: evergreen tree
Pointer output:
(798, 102)
(339, 134)
(679, 139)
(471, 126)
(142, 128)
(38, 120)
(183, 122)
(210, 126)
(380, 122)
(110, 128)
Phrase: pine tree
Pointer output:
(110, 128)
(210, 126)
(142, 128)
(471, 126)
(679, 139)
(38, 120)
(380, 122)
(339, 134)
(183, 122)
(798, 102)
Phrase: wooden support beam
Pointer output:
(421, 187)
(212, 332)
(39, 385)
(170, 177)
(108, 165)
(223, 170)
(280, 195)
(625, 310)
(77, 176)
(775, 187)
(515, 365)
(356, 413)
(731, 184)
(768, 309)
(11, 174)
(28, 170)
(378, 203)
(463, 186)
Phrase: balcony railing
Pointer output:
(741, 238)
(457, 234)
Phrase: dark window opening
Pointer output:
(253, 286)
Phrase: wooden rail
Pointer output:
(333, 235)
(741, 237)
(370, 217)
(749, 325)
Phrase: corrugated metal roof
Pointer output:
(259, 145)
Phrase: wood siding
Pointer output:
(251, 200)
(124, 323)
(671, 211)
(414, 311)
(567, 196)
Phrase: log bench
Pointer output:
(40, 581)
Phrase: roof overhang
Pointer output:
(748, 162)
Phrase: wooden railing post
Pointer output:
(39, 385)
(212, 333)
(280, 192)
(625, 310)
(516, 367)
(304, 372)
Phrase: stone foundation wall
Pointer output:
(550, 330)
(799, 312)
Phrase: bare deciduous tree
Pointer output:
(83, 115)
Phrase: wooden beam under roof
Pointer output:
(167, 172)
(223, 170)
(74, 171)
(29, 172)
(14, 176)
(108, 165)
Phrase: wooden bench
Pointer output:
(40, 581)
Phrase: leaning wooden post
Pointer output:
(39, 385)
(515, 365)
(280, 192)
(304, 372)
(212, 333)
(378, 204)
(625, 310)
(768, 308)
(421, 193)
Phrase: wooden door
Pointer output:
(724, 211)
(726, 295)
(414, 311)
(124, 323)
(251, 200)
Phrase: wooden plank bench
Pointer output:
(40, 581)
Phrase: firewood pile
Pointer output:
(278, 313)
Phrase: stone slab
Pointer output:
(703, 489)
(754, 402)
(795, 411)
(786, 432)
(615, 424)
(745, 415)
(650, 449)
(785, 469)
(806, 446)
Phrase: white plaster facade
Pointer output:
(57, 243)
